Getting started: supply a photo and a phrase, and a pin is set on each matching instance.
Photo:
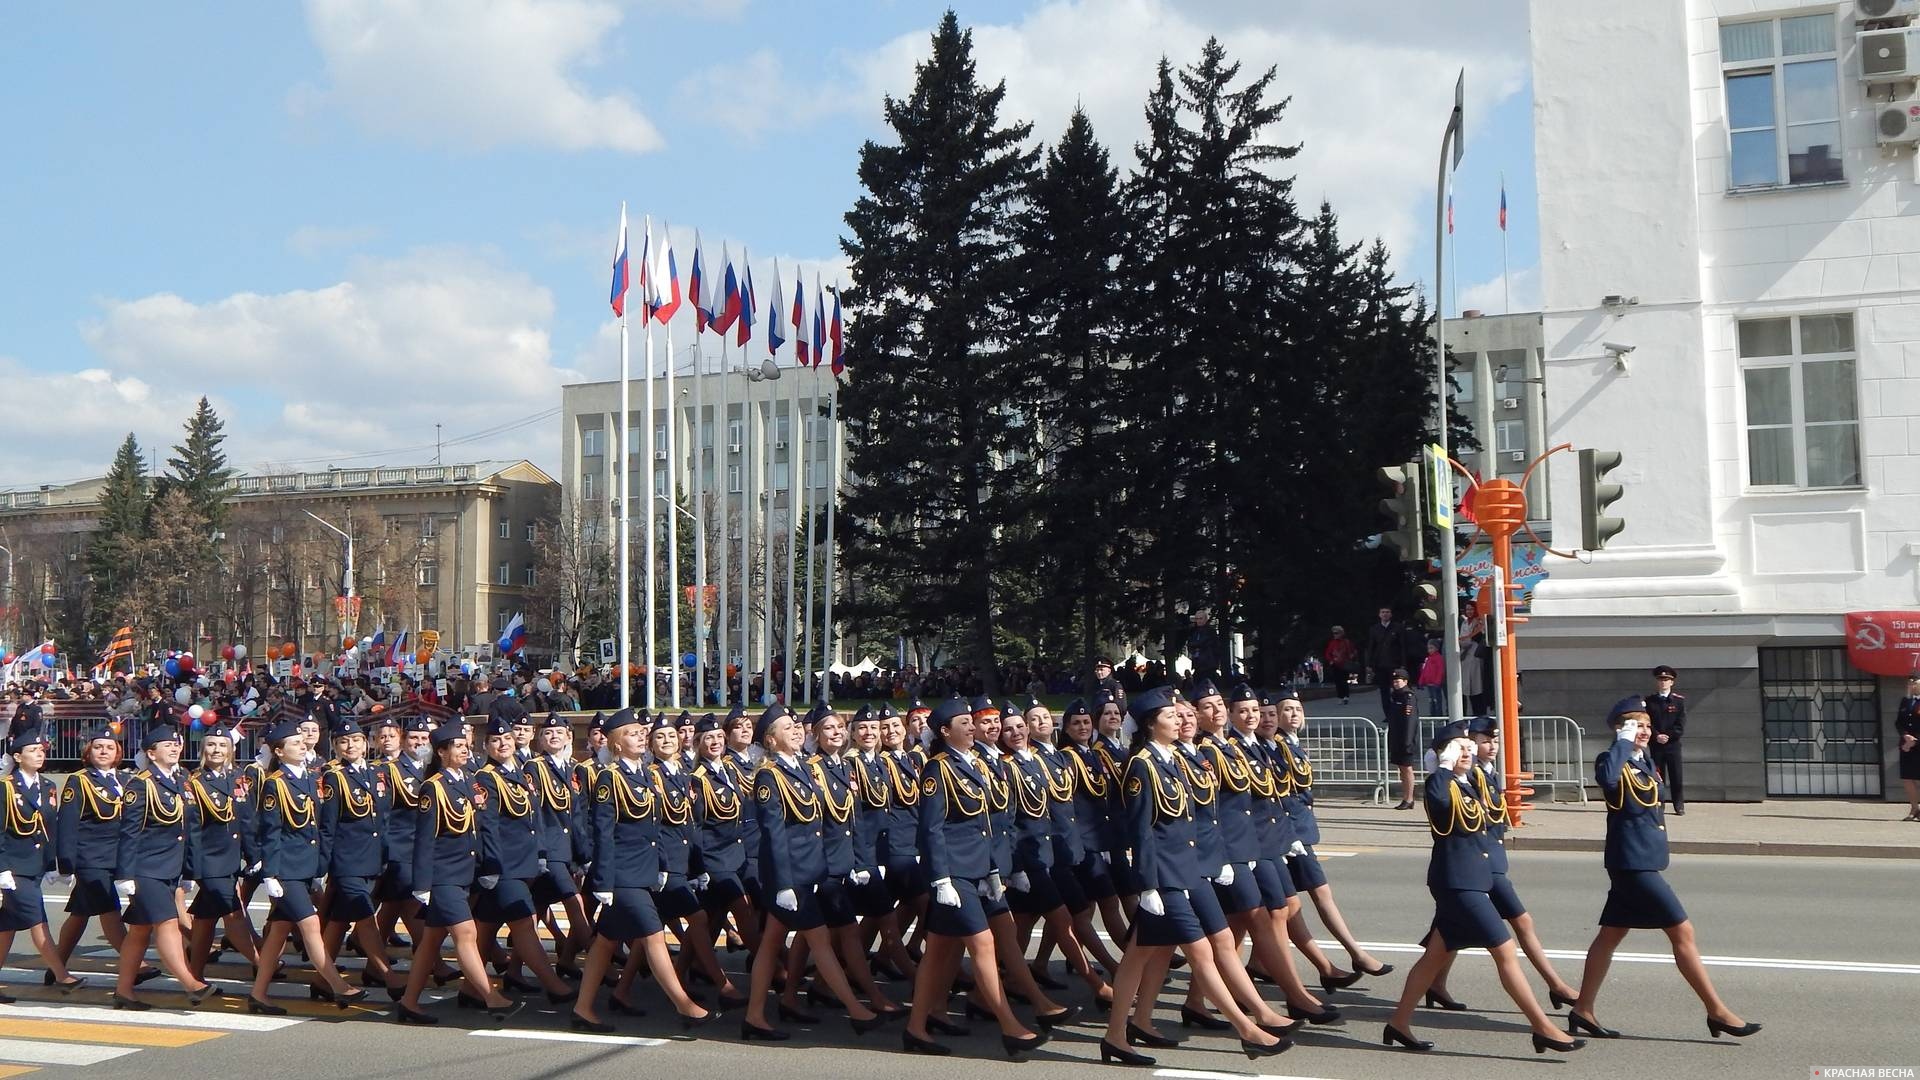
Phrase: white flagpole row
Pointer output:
(626, 503)
(796, 504)
(833, 502)
(697, 473)
(806, 651)
(671, 421)
(723, 457)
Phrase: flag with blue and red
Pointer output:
(697, 289)
(819, 325)
(834, 336)
(726, 305)
(800, 322)
(619, 296)
(664, 308)
(774, 340)
(744, 328)
(1503, 206)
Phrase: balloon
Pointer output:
(194, 724)
(182, 695)
(239, 652)
(115, 727)
(292, 650)
(47, 648)
(6, 659)
(226, 652)
(543, 685)
(171, 667)
(348, 641)
(195, 712)
(689, 660)
(186, 661)
(203, 682)
(48, 660)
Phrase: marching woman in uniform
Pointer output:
(512, 859)
(355, 803)
(404, 775)
(223, 847)
(1109, 718)
(793, 865)
(1161, 833)
(627, 870)
(88, 843)
(719, 812)
(956, 835)
(558, 796)
(1096, 797)
(679, 899)
(1487, 784)
(899, 842)
(446, 861)
(153, 857)
(873, 814)
(1036, 886)
(1637, 896)
(1070, 851)
(1460, 879)
(293, 857)
(27, 855)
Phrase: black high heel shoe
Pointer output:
(975, 1012)
(688, 1023)
(1717, 1029)
(1282, 1031)
(565, 997)
(750, 1032)
(913, 1044)
(861, 1027)
(461, 1000)
(72, 984)
(1542, 1044)
(1258, 1050)
(1436, 999)
(211, 992)
(796, 1016)
(1580, 1025)
(520, 984)
(1383, 969)
(404, 1015)
(1049, 1021)
(1110, 1052)
(130, 1004)
(1330, 983)
(503, 1013)
(1138, 1037)
(1561, 1001)
(351, 997)
(591, 1027)
(1015, 1046)
(1392, 1035)
(940, 1025)
(1327, 1015)
(1200, 1018)
(261, 1008)
(728, 1004)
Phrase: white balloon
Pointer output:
(182, 695)
(239, 652)
(543, 686)
(203, 682)
(195, 712)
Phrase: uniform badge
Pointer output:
(380, 785)
(53, 798)
(479, 795)
(763, 792)
(1134, 787)
(930, 785)
(269, 804)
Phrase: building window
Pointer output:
(430, 620)
(735, 429)
(427, 526)
(633, 440)
(782, 428)
(780, 475)
(503, 575)
(1802, 414)
(532, 533)
(660, 438)
(1463, 378)
(526, 575)
(1509, 436)
(506, 529)
(816, 428)
(733, 479)
(429, 573)
(1820, 718)
(586, 487)
(706, 434)
(659, 484)
(500, 620)
(1783, 101)
(818, 468)
(591, 444)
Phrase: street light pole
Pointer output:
(5, 634)
(345, 627)
(1451, 147)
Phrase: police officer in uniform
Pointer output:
(512, 859)
(356, 802)
(27, 854)
(1403, 733)
(1669, 712)
(404, 774)
(224, 847)
(87, 844)
(563, 803)
(152, 860)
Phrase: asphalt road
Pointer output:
(1822, 951)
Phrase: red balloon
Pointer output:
(226, 652)
(48, 648)
(7, 659)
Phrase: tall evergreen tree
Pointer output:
(199, 466)
(111, 555)
(940, 407)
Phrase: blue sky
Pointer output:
(349, 220)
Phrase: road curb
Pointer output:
(1722, 847)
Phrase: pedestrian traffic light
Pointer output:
(1426, 604)
(1405, 529)
(1595, 527)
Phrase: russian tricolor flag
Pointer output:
(727, 299)
(747, 303)
(514, 636)
(819, 324)
(397, 654)
(670, 269)
(799, 322)
(697, 287)
(619, 296)
(834, 336)
(774, 340)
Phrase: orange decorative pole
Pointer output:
(1500, 507)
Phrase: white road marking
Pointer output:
(1845, 967)
(1202, 1074)
(570, 1036)
(156, 1018)
(51, 1053)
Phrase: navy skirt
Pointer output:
(677, 900)
(1466, 919)
(151, 903)
(1641, 900)
(1206, 908)
(1505, 900)
(968, 919)
(216, 899)
(352, 899)
(1243, 895)
(872, 900)
(906, 878)
(1066, 882)
(1307, 872)
(806, 916)
(553, 884)
(632, 915)
(507, 902)
(447, 905)
(1126, 880)
(1179, 925)
(23, 908)
(1275, 882)
(294, 904)
(722, 891)
(1041, 895)
(835, 897)
(93, 893)
(1096, 877)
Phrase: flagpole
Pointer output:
(673, 506)
(833, 502)
(723, 455)
(766, 551)
(1506, 285)
(646, 455)
(747, 443)
(697, 472)
(796, 505)
(806, 651)
(626, 501)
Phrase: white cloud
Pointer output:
(312, 240)
(1491, 296)
(374, 361)
(474, 73)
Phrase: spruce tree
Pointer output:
(940, 406)
(112, 551)
(199, 466)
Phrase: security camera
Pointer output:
(1616, 347)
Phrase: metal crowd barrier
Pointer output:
(1347, 750)
(1551, 748)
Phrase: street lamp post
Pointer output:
(1451, 147)
(348, 580)
(8, 605)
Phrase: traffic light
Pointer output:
(1426, 604)
(1595, 527)
(1406, 529)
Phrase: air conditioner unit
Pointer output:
(1878, 10)
(733, 446)
(1891, 55)
(779, 444)
(659, 455)
(1517, 455)
(1509, 402)
(1898, 122)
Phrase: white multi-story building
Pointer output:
(1715, 195)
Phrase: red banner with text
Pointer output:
(1884, 642)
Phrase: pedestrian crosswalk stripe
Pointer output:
(569, 1036)
(43, 1053)
(16, 1070)
(209, 1021)
(83, 1031)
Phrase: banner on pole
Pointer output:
(1440, 484)
(701, 599)
(609, 650)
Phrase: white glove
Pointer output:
(190, 887)
(1020, 881)
(254, 869)
(489, 881)
(7, 883)
(423, 897)
(1629, 731)
(318, 884)
(995, 887)
(605, 898)
(1298, 848)
(1225, 876)
(660, 882)
(703, 881)
(274, 888)
(124, 888)
(859, 877)
(945, 894)
(1150, 902)
(883, 872)
(543, 866)
(785, 900)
